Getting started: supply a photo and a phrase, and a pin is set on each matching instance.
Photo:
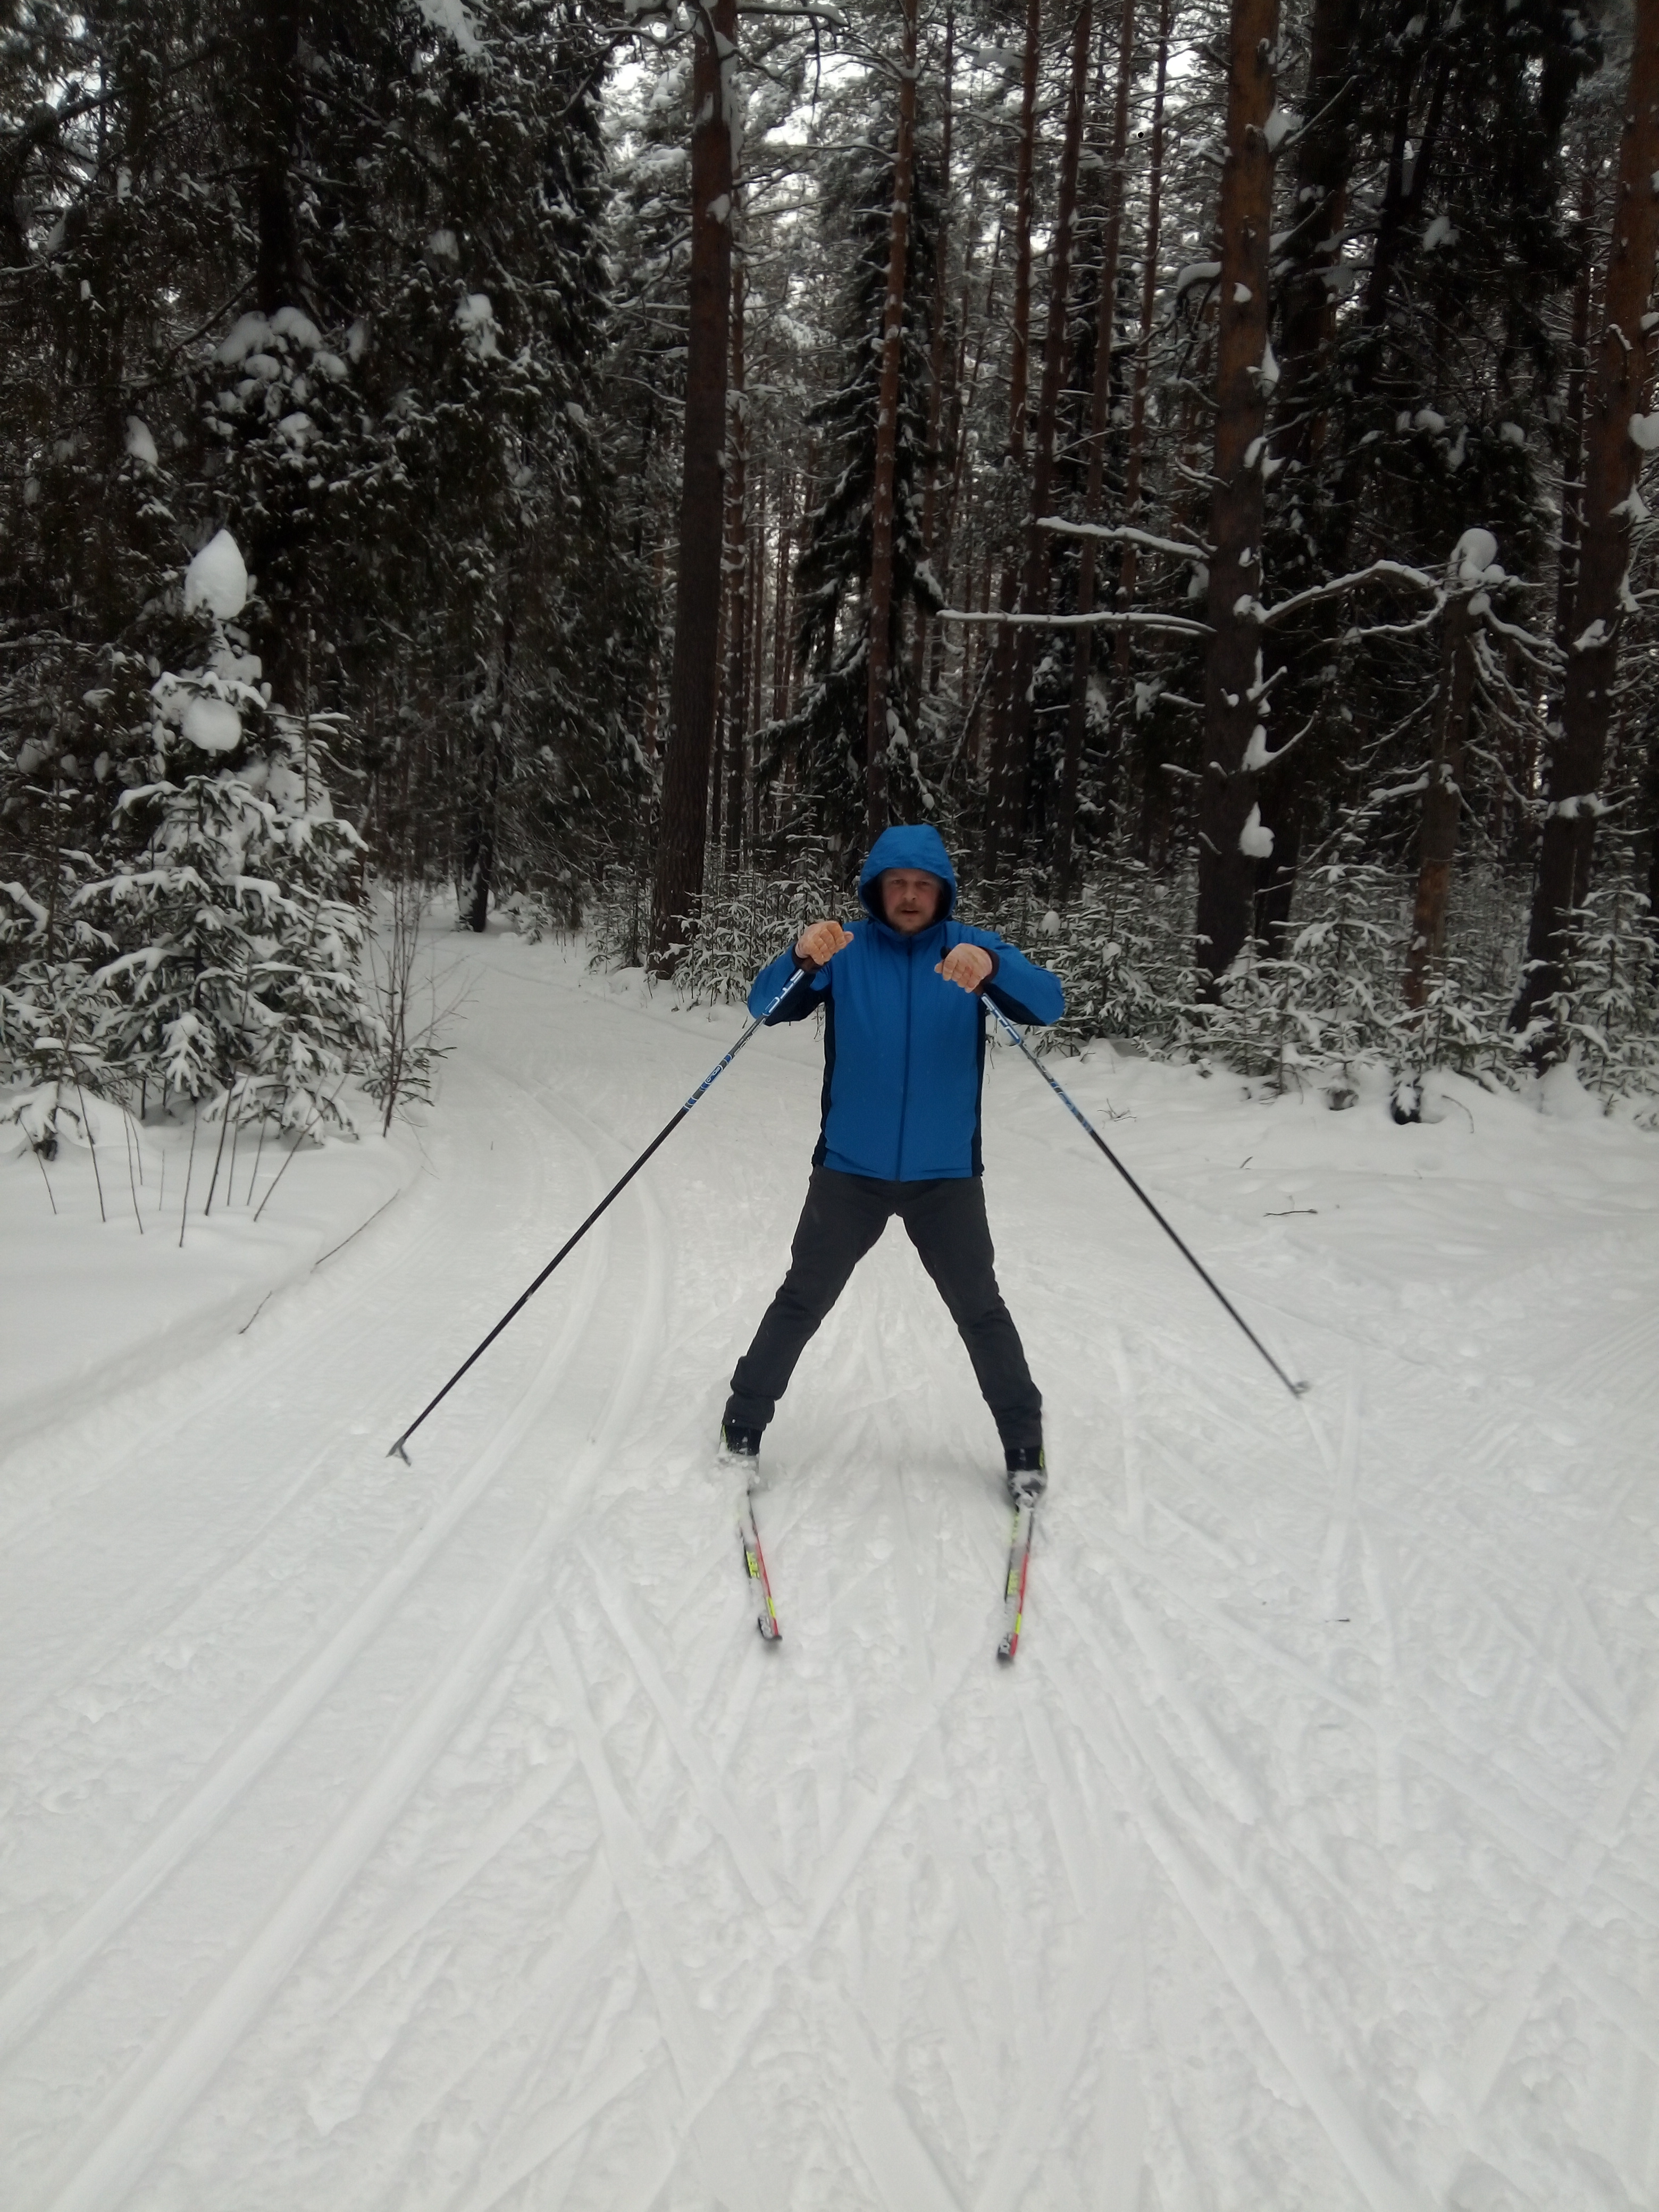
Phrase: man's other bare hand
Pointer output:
(820, 941)
(966, 965)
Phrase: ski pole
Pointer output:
(1296, 1389)
(575, 1239)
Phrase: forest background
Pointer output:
(610, 460)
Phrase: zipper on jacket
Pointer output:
(904, 1082)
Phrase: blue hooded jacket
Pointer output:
(904, 1050)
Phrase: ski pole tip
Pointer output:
(1300, 1389)
(397, 1452)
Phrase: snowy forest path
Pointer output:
(446, 1837)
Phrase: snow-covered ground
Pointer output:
(447, 1837)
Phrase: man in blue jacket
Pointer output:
(904, 1056)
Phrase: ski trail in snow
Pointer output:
(1240, 1945)
(722, 2149)
(143, 2107)
(331, 1323)
(419, 1914)
(899, 2164)
(1338, 1535)
(1135, 1497)
(1494, 2039)
(637, 2043)
(735, 1827)
(137, 2116)
(262, 1736)
(1069, 2020)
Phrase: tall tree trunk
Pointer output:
(1019, 364)
(880, 648)
(1226, 870)
(1612, 465)
(781, 613)
(1311, 256)
(1442, 796)
(479, 849)
(279, 274)
(694, 681)
(754, 713)
(1008, 791)
(1134, 462)
(938, 337)
(1077, 716)
(1572, 458)
(737, 574)
(1324, 155)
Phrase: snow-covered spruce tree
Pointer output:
(231, 914)
(396, 412)
(1425, 256)
(437, 465)
(825, 738)
(1607, 1012)
(1317, 1012)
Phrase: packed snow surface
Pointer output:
(446, 1837)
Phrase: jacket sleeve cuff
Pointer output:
(985, 982)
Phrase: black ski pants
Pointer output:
(842, 1218)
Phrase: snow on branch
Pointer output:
(1123, 535)
(1174, 625)
(1396, 569)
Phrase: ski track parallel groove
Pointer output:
(259, 1741)
(142, 2108)
(1239, 1951)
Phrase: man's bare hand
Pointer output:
(967, 965)
(820, 941)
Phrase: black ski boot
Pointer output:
(740, 1443)
(1027, 1476)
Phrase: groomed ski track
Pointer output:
(446, 1837)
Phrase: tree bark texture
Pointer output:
(1135, 458)
(1622, 374)
(937, 336)
(737, 577)
(880, 650)
(1324, 155)
(1442, 798)
(1077, 712)
(1572, 459)
(694, 683)
(1226, 872)
(279, 275)
(1010, 788)
(1019, 358)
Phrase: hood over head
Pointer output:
(907, 845)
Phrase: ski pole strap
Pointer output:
(1296, 1389)
(577, 1235)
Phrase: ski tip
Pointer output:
(770, 1631)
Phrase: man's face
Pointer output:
(909, 898)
